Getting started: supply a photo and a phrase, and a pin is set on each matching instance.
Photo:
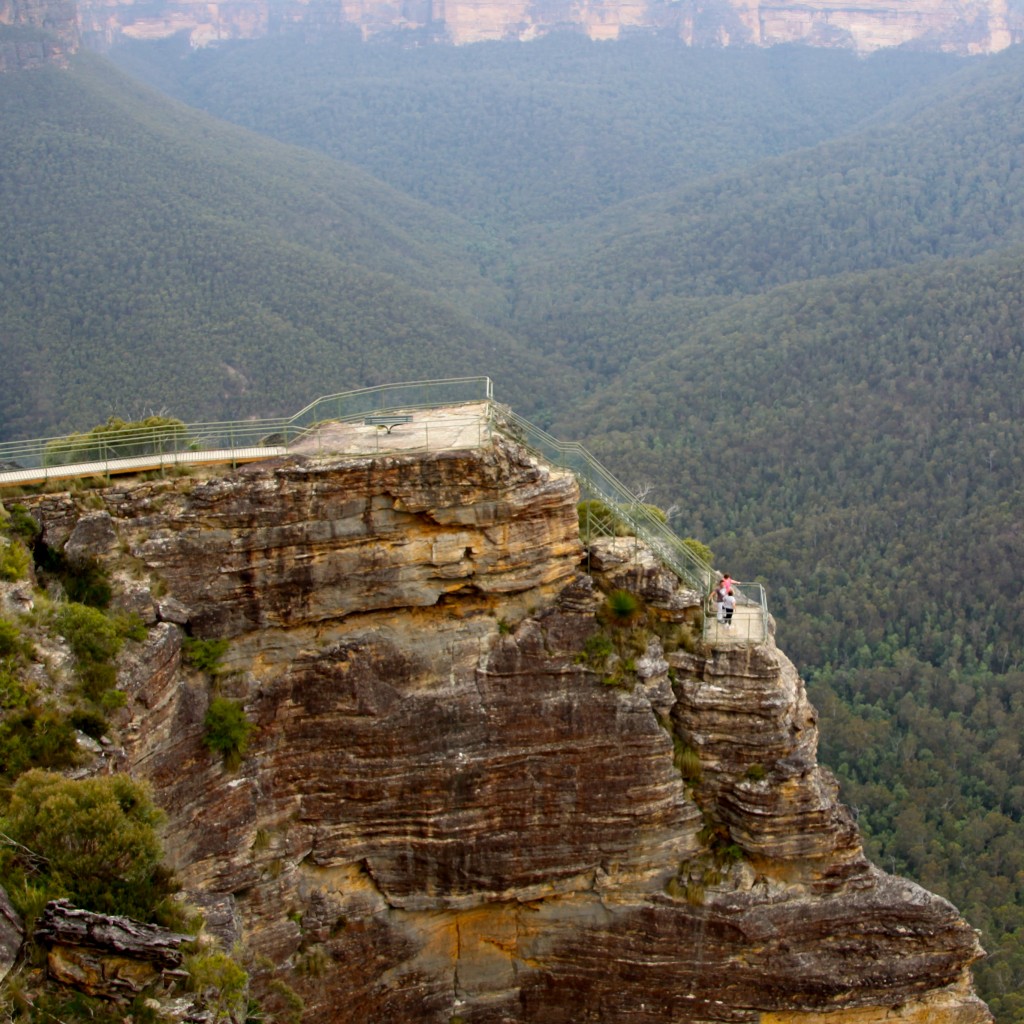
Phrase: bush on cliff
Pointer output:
(33, 732)
(598, 519)
(205, 655)
(227, 730)
(14, 560)
(118, 439)
(95, 640)
(93, 841)
(621, 608)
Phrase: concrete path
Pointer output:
(461, 426)
(747, 627)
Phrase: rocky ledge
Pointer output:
(473, 793)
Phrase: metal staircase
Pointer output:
(750, 620)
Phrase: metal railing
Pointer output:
(751, 624)
(143, 447)
(596, 482)
(424, 394)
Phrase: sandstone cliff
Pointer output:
(973, 26)
(456, 805)
(34, 33)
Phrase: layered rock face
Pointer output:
(469, 794)
(974, 26)
(35, 33)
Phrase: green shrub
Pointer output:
(70, 1007)
(655, 512)
(227, 730)
(13, 646)
(623, 678)
(85, 581)
(292, 1005)
(96, 681)
(204, 655)
(597, 519)
(621, 608)
(36, 736)
(88, 583)
(14, 560)
(112, 699)
(729, 854)
(702, 551)
(118, 438)
(94, 638)
(21, 524)
(13, 692)
(131, 627)
(93, 841)
(221, 983)
(597, 649)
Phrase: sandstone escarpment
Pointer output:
(451, 806)
(974, 26)
(36, 33)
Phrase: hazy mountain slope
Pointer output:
(544, 132)
(607, 295)
(947, 181)
(154, 258)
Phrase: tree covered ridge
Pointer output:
(150, 264)
(515, 135)
(946, 183)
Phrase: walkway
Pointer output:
(748, 625)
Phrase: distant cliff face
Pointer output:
(34, 33)
(969, 27)
(469, 795)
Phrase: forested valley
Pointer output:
(778, 291)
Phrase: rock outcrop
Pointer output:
(469, 794)
(104, 955)
(973, 26)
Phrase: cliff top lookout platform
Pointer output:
(393, 419)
